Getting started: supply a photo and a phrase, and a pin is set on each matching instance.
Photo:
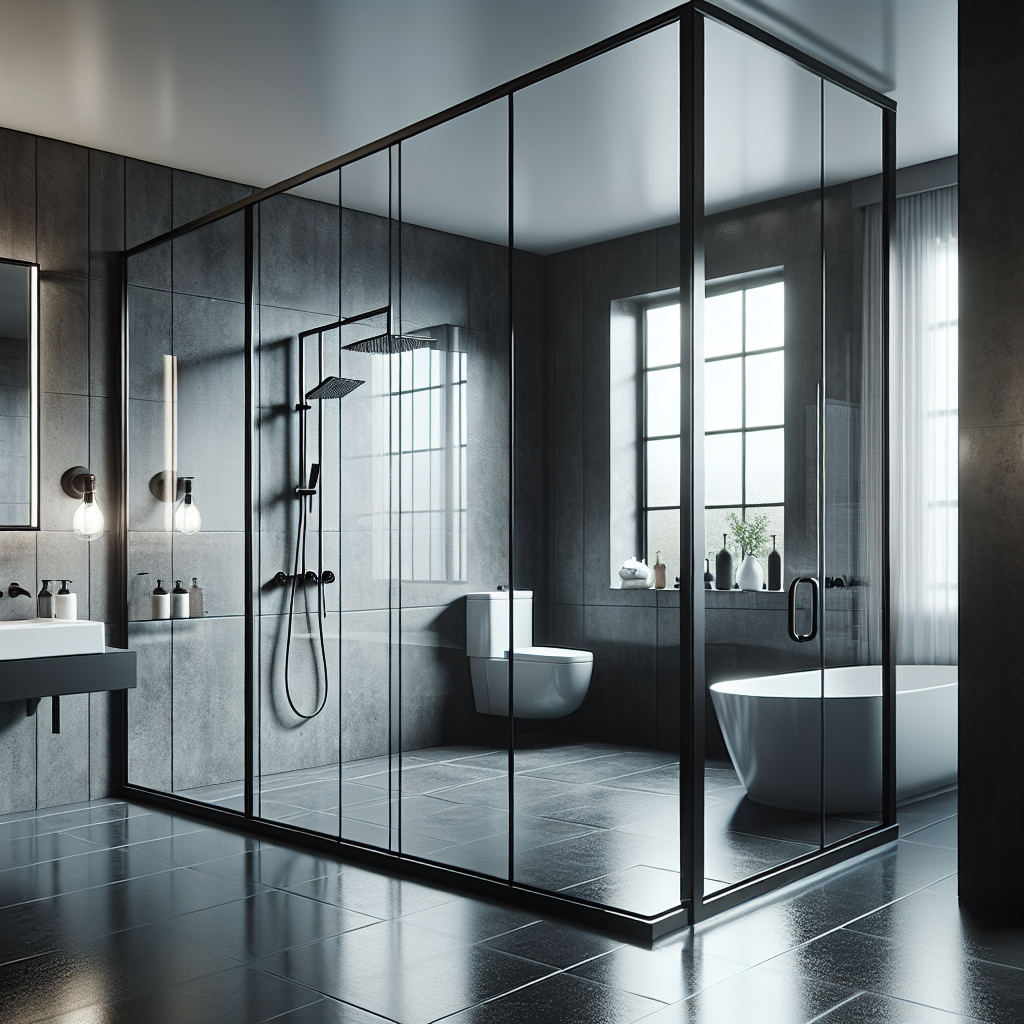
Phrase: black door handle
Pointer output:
(802, 638)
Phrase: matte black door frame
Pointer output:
(693, 907)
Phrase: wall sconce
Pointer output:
(78, 482)
(187, 519)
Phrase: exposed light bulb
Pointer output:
(187, 518)
(88, 519)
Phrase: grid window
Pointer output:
(428, 447)
(744, 409)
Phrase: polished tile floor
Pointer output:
(593, 820)
(112, 912)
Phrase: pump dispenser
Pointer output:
(179, 601)
(66, 603)
(44, 602)
(161, 602)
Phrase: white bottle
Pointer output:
(179, 601)
(160, 602)
(66, 603)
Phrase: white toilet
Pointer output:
(549, 682)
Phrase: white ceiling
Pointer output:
(257, 90)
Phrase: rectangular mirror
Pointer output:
(19, 395)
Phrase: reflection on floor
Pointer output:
(743, 838)
(592, 820)
(115, 912)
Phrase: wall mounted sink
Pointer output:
(49, 638)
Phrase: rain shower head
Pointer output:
(334, 387)
(389, 344)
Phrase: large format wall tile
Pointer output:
(17, 195)
(149, 707)
(207, 685)
(62, 173)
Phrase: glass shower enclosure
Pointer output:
(569, 402)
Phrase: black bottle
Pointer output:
(723, 567)
(709, 580)
(774, 568)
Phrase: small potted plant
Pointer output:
(752, 535)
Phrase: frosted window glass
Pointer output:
(421, 482)
(723, 324)
(766, 464)
(663, 472)
(723, 394)
(663, 335)
(436, 407)
(766, 390)
(421, 420)
(723, 469)
(663, 409)
(663, 536)
(405, 361)
(421, 368)
(406, 422)
(766, 321)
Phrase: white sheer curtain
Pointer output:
(924, 417)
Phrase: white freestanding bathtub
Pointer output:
(772, 729)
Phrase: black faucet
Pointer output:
(15, 590)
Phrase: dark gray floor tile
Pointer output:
(276, 866)
(667, 974)
(959, 984)
(640, 889)
(368, 892)
(19, 825)
(563, 998)
(118, 966)
(329, 1011)
(468, 921)
(39, 849)
(868, 1008)
(926, 812)
(733, 856)
(27, 929)
(266, 923)
(237, 996)
(417, 985)
(38, 881)
(554, 943)
(942, 833)
(198, 847)
(140, 829)
(603, 807)
(950, 885)
(755, 996)
(930, 920)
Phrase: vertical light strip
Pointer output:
(170, 439)
(33, 334)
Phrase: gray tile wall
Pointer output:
(63, 207)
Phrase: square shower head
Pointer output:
(334, 387)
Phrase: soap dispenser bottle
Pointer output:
(66, 603)
(195, 599)
(723, 567)
(774, 568)
(161, 602)
(44, 602)
(179, 601)
(659, 572)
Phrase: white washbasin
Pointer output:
(50, 638)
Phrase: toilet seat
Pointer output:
(552, 655)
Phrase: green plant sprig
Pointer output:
(752, 533)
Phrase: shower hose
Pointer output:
(300, 550)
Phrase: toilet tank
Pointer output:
(487, 622)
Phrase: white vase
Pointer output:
(751, 575)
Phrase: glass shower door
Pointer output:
(762, 363)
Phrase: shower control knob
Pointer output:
(281, 579)
(311, 577)
(328, 576)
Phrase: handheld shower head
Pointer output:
(334, 387)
